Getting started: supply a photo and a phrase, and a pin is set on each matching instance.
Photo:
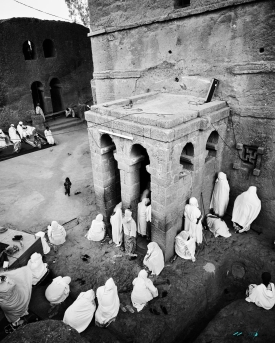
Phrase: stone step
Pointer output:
(64, 123)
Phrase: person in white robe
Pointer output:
(262, 295)
(145, 193)
(28, 134)
(58, 290)
(246, 208)
(154, 259)
(148, 219)
(15, 293)
(39, 111)
(20, 129)
(185, 246)
(143, 291)
(45, 245)
(37, 267)
(3, 143)
(192, 223)
(220, 195)
(49, 136)
(141, 219)
(14, 138)
(108, 304)
(56, 233)
(217, 226)
(80, 314)
(116, 223)
(97, 230)
(130, 233)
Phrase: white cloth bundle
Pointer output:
(261, 295)
(37, 267)
(97, 229)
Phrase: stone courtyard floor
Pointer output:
(32, 196)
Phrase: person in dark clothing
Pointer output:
(67, 186)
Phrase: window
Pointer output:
(48, 47)
(29, 50)
(187, 157)
(212, 145)
(181, 3)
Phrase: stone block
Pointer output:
(158, 236)
(162, 134)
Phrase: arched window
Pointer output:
(29, 50)
(212, 145)
(187, 157)
(48, 47)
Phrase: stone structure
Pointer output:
(174, 46)
(45, 61)
(166, 140)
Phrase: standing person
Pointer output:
(80, 314)
(108, 304)
(56, 233)
(116, 222)
(154, 259)
(246, 208)
(49, 136)
(143, 290)
(220, 195)
(97, 229)
(20, 129)
(148, 219)
(67, 185)
(262, 295)
(141, 222)
(130, 233)
(3, 143)
(14, 138)
(192, 222)
(39, 111)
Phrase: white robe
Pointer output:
(192, 213)
(154, 259)
(3, 143)
(149, 213)
(58, 290)
(184, 247)
(56, 233)
(80, 314)
(247, 206)
(141, 222)
(45, 245)
(143, 291)
(116, 222)
(217, 226)
(220, 195)
(37, 267)
(108, 303)
(49, 136)
(262, 296)
(97, 230)
(13, 135)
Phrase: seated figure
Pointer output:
(143, 290)
(37, 267)
(3, 140)
(14, 138)
(108, 304)
(69, 112)
(97, 229)
(58, 290)
(15, 293)
(217, 226)
(220, 195)
(45, 245)
(154, 259)
(56, 233)
(185, 246)
(80, 314)
(262, 295)
(49, 136)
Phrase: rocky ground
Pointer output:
(196, 291)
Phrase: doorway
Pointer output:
(37, 90)
(56, 95)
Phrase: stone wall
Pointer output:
(234, 44)
(71, 65)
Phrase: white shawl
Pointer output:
(37, 267)
(141, 220)
(262, 296)
(58, 290)
(116, 222)
(184, 247)
(97, 229)
(192, 213)
(56, 233)
(154, 259)
(220, 195)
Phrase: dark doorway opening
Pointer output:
(181, 3)
(48, 47)
(37, 90)
(56, 95)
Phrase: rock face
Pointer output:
(240, 316)
(43, 61)
(45, 331)
(160, 48)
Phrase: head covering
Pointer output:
(193, 202)
(185, 235)
(222, 176)
(143, 274)
(128, 215)
(154, 259)
(266, 278)
(20, 123)
(35, 257)
(58, 290)
(99, 218)
(12, 125)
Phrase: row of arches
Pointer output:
(37, 90)
(29, 49)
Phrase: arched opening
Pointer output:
(56, 95)
(212, 145)
(48, 48)
(139, 154)
(37, 90)
(113, 188)
(29, 50)
(187, 157)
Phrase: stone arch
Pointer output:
(187, 156)
(37, 90)
(212, 145)
(48, 48)
(29, 50)
(56, 95)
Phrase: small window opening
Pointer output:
(29, 50)
(187, 157)
(48, 47)
(261, 50)
(212, 145)
(181, 3)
